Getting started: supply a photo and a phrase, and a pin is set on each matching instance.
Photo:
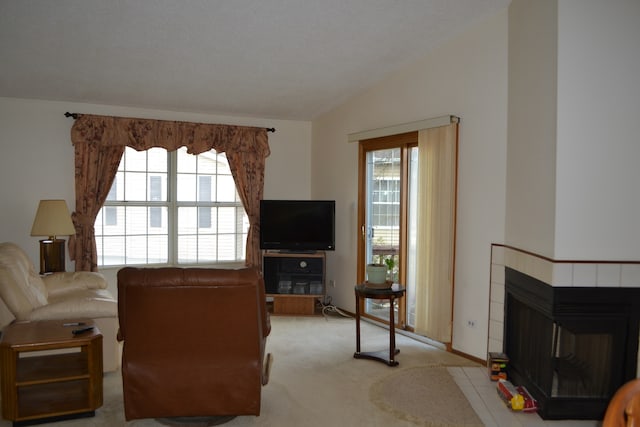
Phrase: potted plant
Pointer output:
(390, 262)
(376, 273)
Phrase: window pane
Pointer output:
(113, 191)
(131, 180)
(187, 249)
(99, 244)
(158, 249)
(186, 188)
(110, 216)
(412, 233)
(110, 227)
(186, 162)
(157, 160)
(204, 217)
(117, 188)
(136, 220)
(205, 188)
(135, 188)
(207, 249)
(187, 220)
(136, 249)
(223, 164)
(135, 160)
(155, 217)
(226, 247)
(226, 189)
(208, 162)
(157, 187)
(158, 220)
(211, 213)
(113, 252)
(226, 220)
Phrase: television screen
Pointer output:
(297, 225)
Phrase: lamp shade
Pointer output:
(52, 219)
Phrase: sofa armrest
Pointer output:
(6, 316)
(60, 283)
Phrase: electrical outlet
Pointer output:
(471, 323)
(332, 283)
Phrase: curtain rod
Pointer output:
(402, 128)
(74, 116)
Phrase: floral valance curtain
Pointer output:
(99, 143)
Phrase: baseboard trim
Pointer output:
(468, 356)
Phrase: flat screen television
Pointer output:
(297, 225)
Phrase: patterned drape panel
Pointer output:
(99, 143)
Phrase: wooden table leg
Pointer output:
(357, 324)
(392, 333)
(380, 356)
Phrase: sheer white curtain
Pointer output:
(437, 149)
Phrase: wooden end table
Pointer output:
(396, 291)
(40, 385)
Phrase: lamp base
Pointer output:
(52, 256)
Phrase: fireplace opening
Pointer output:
(571, 347)
(581, 363)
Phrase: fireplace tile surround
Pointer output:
(524, 287)
(623, 274)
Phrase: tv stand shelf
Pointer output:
(294, 280)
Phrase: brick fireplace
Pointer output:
(571, 336)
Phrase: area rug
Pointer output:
(426, 396)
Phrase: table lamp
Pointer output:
(52, 220)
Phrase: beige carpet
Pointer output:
(425, 395)
(315, 381)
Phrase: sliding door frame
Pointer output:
(403, 141)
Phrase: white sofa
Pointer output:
(25, 296)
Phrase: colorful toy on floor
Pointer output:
(497, 364)
(517, 398)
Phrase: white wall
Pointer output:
(466, 77)
(37, 159)
(531, 152)
(574, 104)
(598, 196)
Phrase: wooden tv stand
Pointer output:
(295, 281)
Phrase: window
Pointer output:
(171, 208)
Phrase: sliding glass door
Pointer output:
(406, 213)
(388, 191)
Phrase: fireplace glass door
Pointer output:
(583, 357)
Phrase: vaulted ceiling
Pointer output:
(286, 59)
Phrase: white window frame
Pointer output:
(172, 206)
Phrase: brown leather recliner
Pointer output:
(194, 341)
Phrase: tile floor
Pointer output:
(483, 397)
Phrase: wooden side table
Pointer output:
(380, 294)
(39, 385)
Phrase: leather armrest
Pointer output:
(267, 324)
(60, 283)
